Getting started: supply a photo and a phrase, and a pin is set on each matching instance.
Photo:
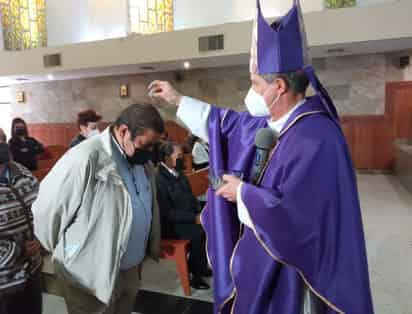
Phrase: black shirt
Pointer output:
(25, 151)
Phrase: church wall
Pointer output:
(356, 83)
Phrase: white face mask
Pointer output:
(256, 104)
(93, 133)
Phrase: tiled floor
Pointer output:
(387, 216)
(146, 303)
(157, 303)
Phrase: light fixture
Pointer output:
(50, 77)
(124, 90)
(186, 65)
(20, 97)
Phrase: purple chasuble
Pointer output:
(307, 225)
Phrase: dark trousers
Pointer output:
(197, 237)
(27, 301)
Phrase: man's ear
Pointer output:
(281, 85)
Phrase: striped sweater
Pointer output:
(15, 268)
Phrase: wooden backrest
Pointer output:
(56, 151)
(41, 173)
(188, 160)
(46, 163)
(199, 181)
(52, 152)
(176, 132)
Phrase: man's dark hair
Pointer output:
(84, 117)
(140, 117)
(297, 81)
(166, 150)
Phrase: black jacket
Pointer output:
(25, 152)
(77, 140)
(176, 201)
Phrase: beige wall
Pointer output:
(355, 25)
(356, 83)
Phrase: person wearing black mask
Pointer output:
(20, 259)
(97, 213)
(180, 210)
(23, 147)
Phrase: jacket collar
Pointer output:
(109, 167)
(312, 105)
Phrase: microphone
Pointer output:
(265, 140)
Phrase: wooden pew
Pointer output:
(46, 163)
(41, 173)
(199, 181)
(188, 160)
(57, 151)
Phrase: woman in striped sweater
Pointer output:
(20, 259)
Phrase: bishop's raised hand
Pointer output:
(163, 90)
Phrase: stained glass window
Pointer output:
(337, 4)
(151, 16)
(24, 24)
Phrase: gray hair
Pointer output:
(297, 81)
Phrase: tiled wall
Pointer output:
(356, 83)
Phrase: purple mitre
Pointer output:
(280, 46)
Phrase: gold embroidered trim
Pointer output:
(206, 242)
(234, 291)
(324, 299)
(280, 135)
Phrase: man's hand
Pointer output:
(198, 221)
(229, 189)
(31, 248)
(164, 91)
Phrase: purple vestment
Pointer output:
(306, 216)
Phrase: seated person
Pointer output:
(179, 211)
(23, 147)
(88, 125)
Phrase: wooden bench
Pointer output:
(46, 163)
(52, 152)
(57, 151)
(41, 173)
(199, 181)
(188, 161)
(177, 250)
